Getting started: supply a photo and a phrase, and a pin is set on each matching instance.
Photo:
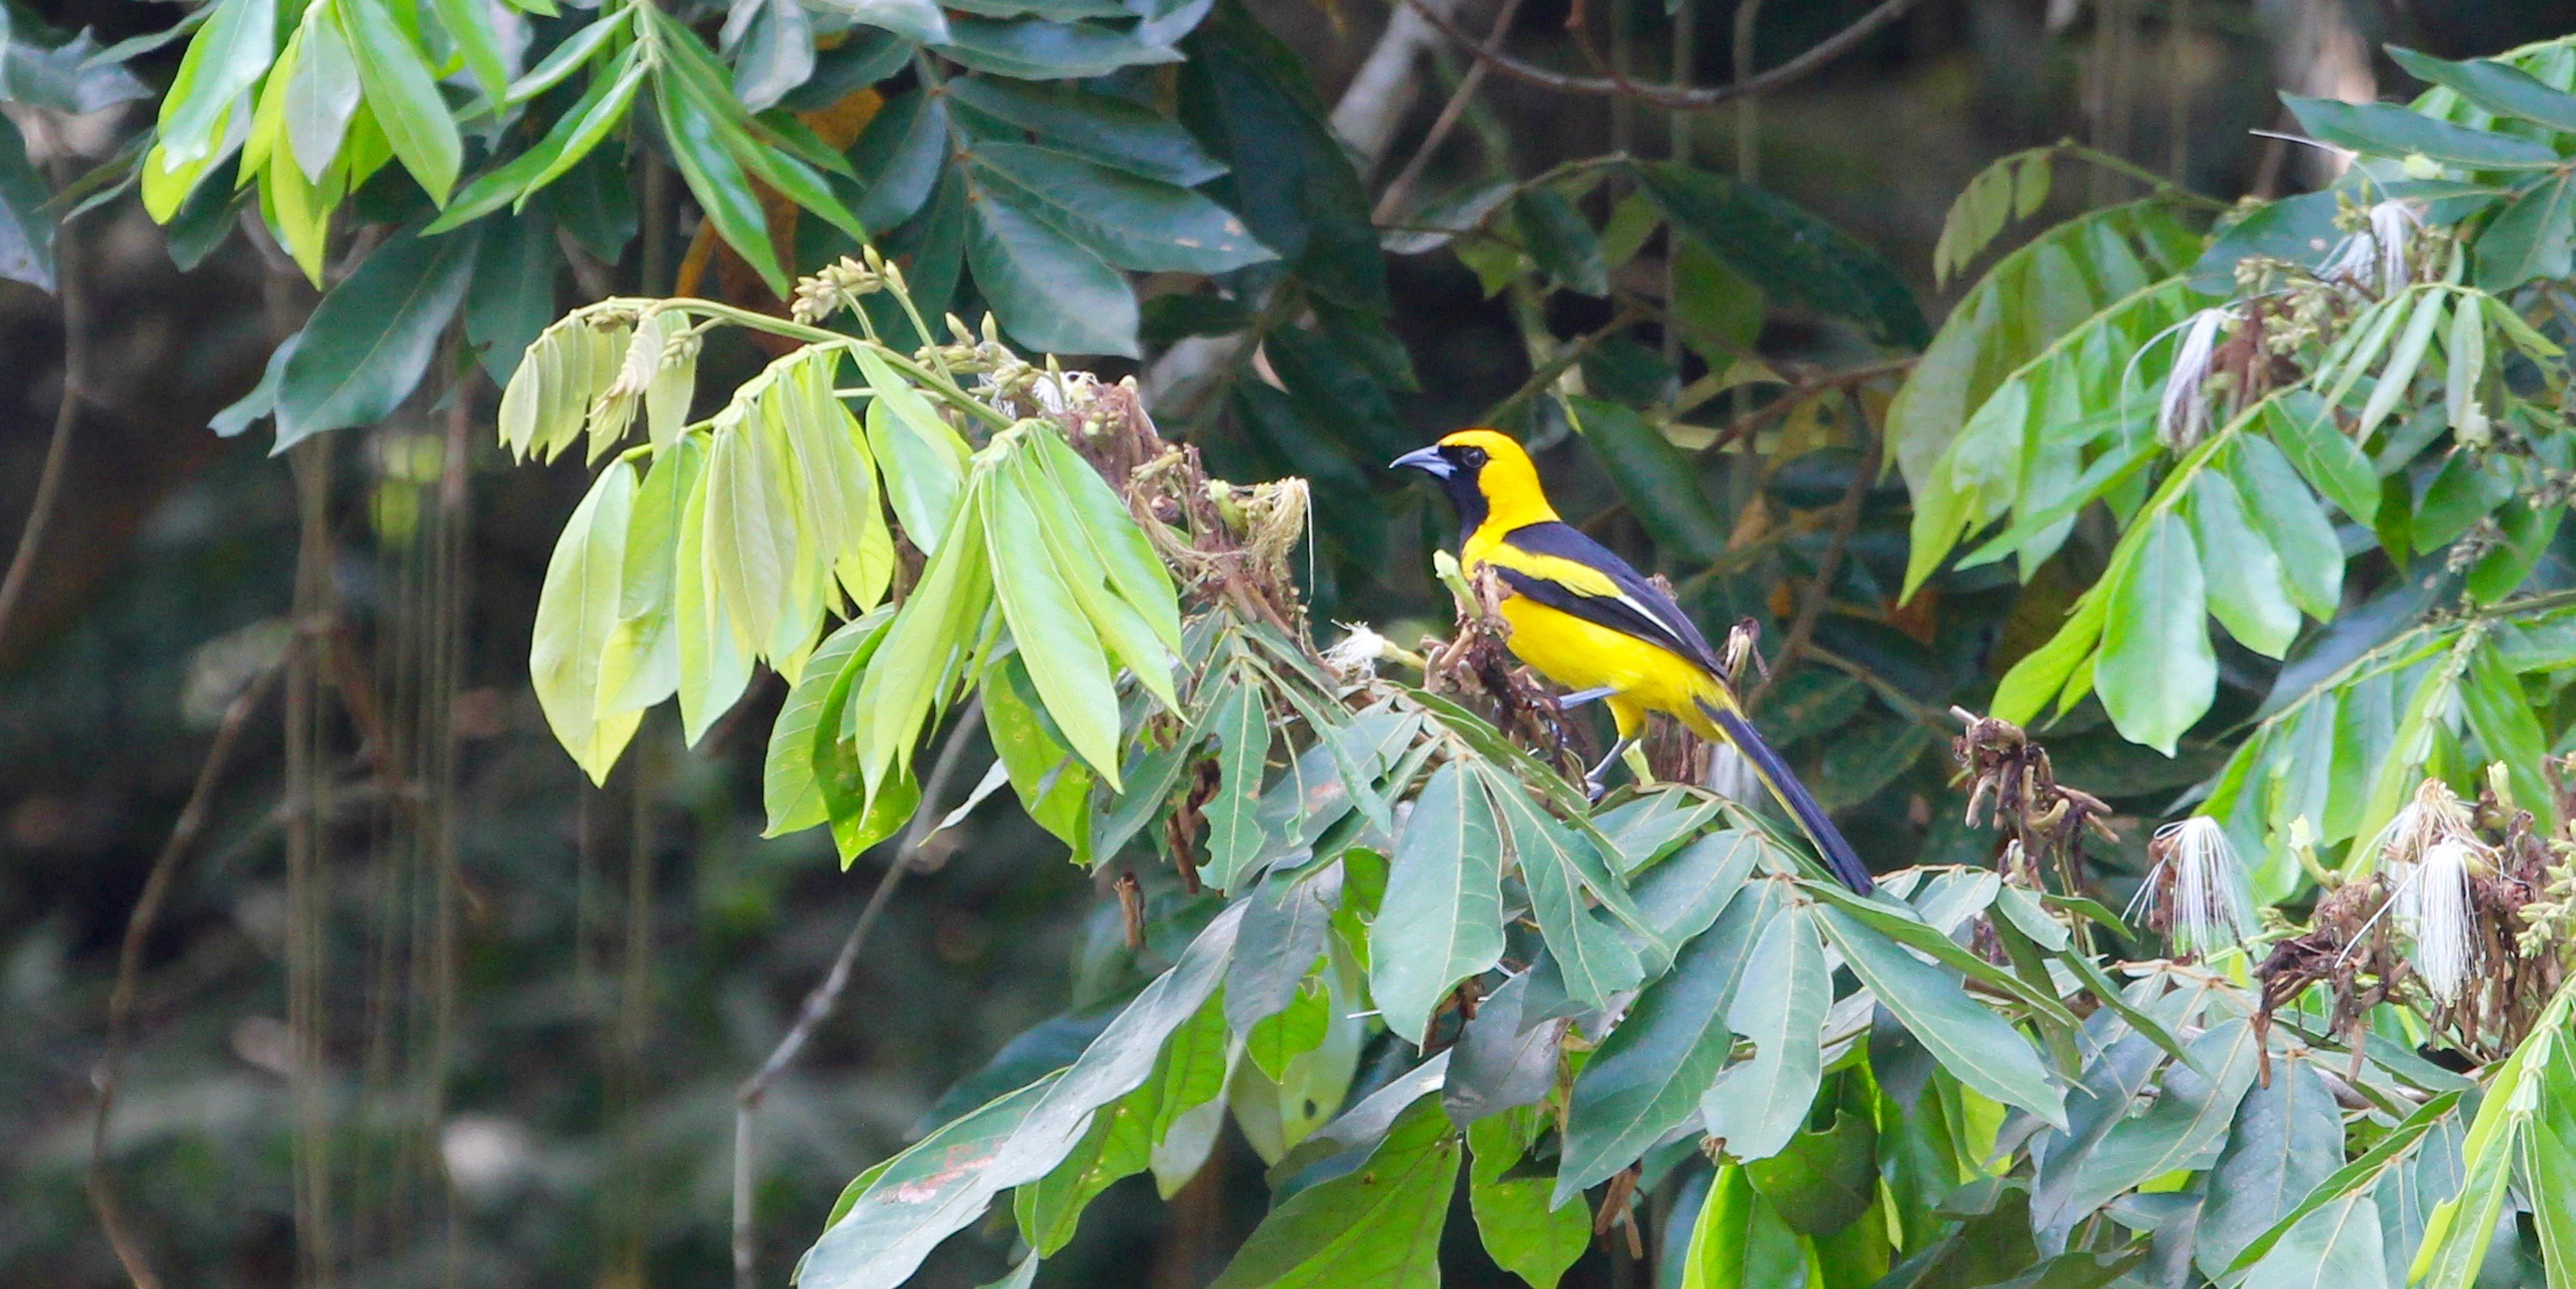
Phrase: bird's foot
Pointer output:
(1594, 789)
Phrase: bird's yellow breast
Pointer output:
(1580, 655)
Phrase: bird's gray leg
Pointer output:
(1581, 696)
(1592, 779)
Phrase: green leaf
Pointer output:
(2403, 360)
(1740, 1240)
(1115, 541)
(1378, 1225)
(1790, 254)
(1113, 131)
(901, 155)
(716, 180)
(2501, 714)
(1757, 1106)
(2022, 306)
(641, 664)
(570, 56)
(469, 25)
(2324, 455)
(1249, 98)
(2535, 237)
(2244, 577)
(1063, 654)
(2292, 524)
(1981, 1048)
(402, 94)
(2185, 1128)
(927, 1164)
(885, 1235)
(1558, 868)
(1235, 835)
(2157, 672)
(576, 611)
(1291, 1032)
(1129, 221)
(1562, 241)
(1048, 51)
(1283, 937)
(715, 656)
(2393, 1152)
(1658, 481)
(2387, 130)
(2286, 1141)
(2496, 85)
(1048, 290)
(919, 21)
(322, 93)
(1824, 1181)
(791, 798)
(512, 293)
(775, 54)
(1442, 920)
(1648, 1076)
(227, 57)
(751, 541)
(1520, 1232)
(2046, 671)
(371, 339)
(923, 457)
(2336, 1245)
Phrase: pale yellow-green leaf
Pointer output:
(576, 611)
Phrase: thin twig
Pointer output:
(1401, 186)
(49, 481)
(819, 1002)
(1846, 522)
(1666, 96)
(129, 966)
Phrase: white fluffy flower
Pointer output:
(2212, 908)
(1357, 653)
(2184, 416)
(2432, 908)
(2375, 256)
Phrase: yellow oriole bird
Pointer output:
(1583, 618)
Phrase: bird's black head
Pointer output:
(1469, 465)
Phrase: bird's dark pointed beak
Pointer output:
(1427, 460)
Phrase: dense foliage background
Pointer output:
(422, 1002)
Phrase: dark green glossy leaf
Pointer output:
(1113, 131)
(1132, 222)
(512, 294)
(919, 21)
(2387, 130)
(1047, 289)
(2535, 237)
(2495, 85)
(899, 157)
(1505, 1058)
(1787, 252)
(2287, 1139)
(372, 337)
(1655, 477)
(776, 53)
(1562, 241)
(718, 183)
(1044, 51)
(1249, 99)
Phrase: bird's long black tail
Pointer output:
(1784, 784)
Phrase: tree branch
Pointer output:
(49, 481)
(1846, 522)
(827, 992)
(1392, 200)
(1672, 97)
(129, 966)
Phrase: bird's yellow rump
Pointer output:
(1583, 618)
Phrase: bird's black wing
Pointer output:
(1635, 605)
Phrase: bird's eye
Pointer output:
(1473, 457)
